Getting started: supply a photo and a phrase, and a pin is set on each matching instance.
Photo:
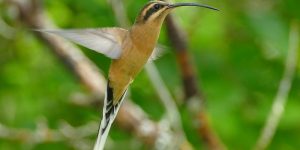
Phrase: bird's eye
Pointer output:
(156, 6)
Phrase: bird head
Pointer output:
(156, 11)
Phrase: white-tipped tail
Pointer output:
(101, 139)
(110, 112)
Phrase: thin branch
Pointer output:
(172, 120)
(165, 96)
(74, 136)
(131, 117)
(281, 98)
(178, 39)
(193, 96)
(119, 10)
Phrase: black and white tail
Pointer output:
(109, 114)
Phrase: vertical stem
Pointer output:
(178, 40)
(283, 91)
(193, 95)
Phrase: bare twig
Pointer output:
(279, 102)
(119, 10)
(165, 96)
(43, 134)
(130, 117)
(178, 40)
(172, 121)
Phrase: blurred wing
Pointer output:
(158, 51)
(107, 41)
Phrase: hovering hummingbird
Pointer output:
(129, 50)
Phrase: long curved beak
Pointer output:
(191, 4)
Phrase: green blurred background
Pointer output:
(239, 54)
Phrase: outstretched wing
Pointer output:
(107, 41)
(110, 111)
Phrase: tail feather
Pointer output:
(109, 114)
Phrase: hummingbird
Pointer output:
(129, 50)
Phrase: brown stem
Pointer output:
(192, 92)
(179, 42)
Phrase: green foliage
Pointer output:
(239, 53)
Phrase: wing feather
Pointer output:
(158, 51)
(107, 41)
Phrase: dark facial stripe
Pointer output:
(151, 9)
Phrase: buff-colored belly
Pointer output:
(123, 71)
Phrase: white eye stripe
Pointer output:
(152, 8)
(156, 14)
